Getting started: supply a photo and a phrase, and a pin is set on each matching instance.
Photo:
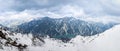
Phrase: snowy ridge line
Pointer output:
(17, 41)
(5, 35)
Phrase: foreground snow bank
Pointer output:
(15, 41)
(108, 41)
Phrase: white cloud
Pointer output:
(93, 7)
(111, 7)
(70, 10)
(15, 18)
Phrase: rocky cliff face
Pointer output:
(63, 28)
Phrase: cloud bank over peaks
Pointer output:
(93, 7)
(16, 17)
(18, 11)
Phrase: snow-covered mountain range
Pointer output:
(106, 41)
(63, 28)
(63, 34)
(59, 25)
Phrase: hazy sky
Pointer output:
(93, 7)
(13, 12)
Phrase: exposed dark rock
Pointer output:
(10, 41)
(63, 28)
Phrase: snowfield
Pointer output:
(106, 41)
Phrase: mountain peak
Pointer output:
(63, 28)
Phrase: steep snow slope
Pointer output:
(107, 41)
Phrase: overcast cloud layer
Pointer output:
(16, 11)
(94, 7)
